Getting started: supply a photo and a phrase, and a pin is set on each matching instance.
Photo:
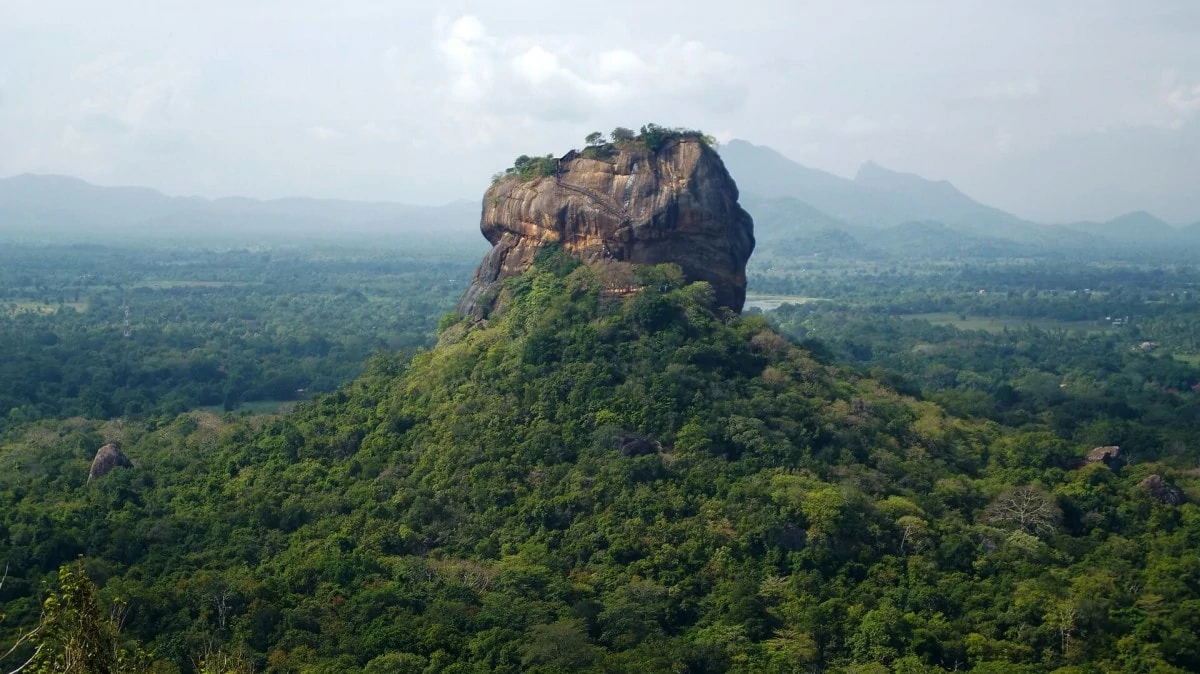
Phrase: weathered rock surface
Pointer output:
(635, 444)
(108, 458)
(677, 205)
(1108, 455)
(1158, 487)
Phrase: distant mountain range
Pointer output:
(876, 197)
(888, 211)
(797, 210)
(1139, 228)
(46, 206)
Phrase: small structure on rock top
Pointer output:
(1108, 455)
(108, 458)
(661, 197)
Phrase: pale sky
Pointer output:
(1052, 109)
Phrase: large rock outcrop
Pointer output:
(108, 458)
(674, 205)
(1158, 487)
(1109, 455)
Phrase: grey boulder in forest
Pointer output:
(1158, 487)
(108, 458)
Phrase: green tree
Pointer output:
(560, 646)
(76, 637)
(622, 135)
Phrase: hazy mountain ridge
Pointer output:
(797, 210)
(1139, 227)
(51, 204)
(879, 207)
(877, 196)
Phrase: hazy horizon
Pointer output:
(1052, 111)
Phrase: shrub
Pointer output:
(622, 135)
(651, 137)
(529, 168)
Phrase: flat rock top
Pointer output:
(1103, 454)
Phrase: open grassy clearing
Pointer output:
(31, 307)
(1001, 323)
(772, 302)
(256, 407)
(168, 284)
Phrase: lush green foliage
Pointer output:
(528, 168)
(1093, 388)
(652, 137)
(584, 484)
(103, 331)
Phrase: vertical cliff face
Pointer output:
(674, 205)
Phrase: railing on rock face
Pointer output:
(605, 201)
(620, 291)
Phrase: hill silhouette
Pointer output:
(879, 198)
(52, 206)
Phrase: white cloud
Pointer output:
(114, 96)
(465, 51)
(380, 133)
(861, 125)
(1013, 90)
(804, 122)
(1178, 102)
(99, 65)
(1185, 99)
(324, 133)
(543, 72)
(1003, 140)
(504, 82)
(70, 137)
(619, 63)
(538, 65)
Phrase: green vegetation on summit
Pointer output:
(651, 137)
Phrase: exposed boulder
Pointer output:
(1107, 455)
(634, 444)
(1158, 487)
(108, 458)
(676, 204)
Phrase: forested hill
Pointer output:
(591, 484)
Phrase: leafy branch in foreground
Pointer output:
(24, 637)
(73, 634)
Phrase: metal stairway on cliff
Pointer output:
(605, 201)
